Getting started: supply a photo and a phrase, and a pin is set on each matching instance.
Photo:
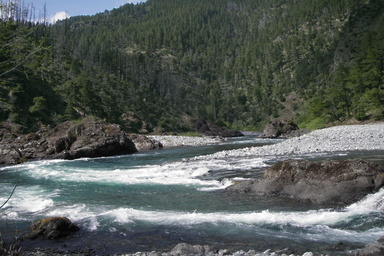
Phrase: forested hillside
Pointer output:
(160, 64)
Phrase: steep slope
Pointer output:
(160, 64)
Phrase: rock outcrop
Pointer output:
(67, 141)
(91, 139)
(210, 129)
(325, 182)
(52, 228)
(144, 143)
(278, 128)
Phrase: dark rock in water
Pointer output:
(325, 182)
(278, 128)
(144, 143)
(187, 249)
(373, 249)
(211, 129)
(52, 228)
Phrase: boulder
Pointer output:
(325, 182)
(52, 228)
(68, 140)
(187, 249)
(144, 143)
(93, 139)
(278, 128)
(211, 129)
(372, 249)
(10, 155)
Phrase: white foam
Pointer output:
(371, 203)
(327, 217)
(186, 173)
(320, 224)
(28, 200)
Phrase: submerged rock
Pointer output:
(325, 182)
(52, 228)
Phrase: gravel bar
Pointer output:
(333, 139)
(178, 141)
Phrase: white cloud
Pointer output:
(59, 16)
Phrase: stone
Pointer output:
(187, 249)
(144, 143)
(372, 249)
(279, 128)
(67, 140)
(211, 129)
(52, 228)
(324, 182)
(97, 139)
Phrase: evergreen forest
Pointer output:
(158, 65)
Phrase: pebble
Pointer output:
(333, 139)
(223, 252)
(177, 141)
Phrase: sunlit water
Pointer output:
(156, 199)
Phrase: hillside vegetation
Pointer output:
(160, 64)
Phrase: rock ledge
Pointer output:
(325, 182)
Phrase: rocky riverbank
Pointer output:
(342, 138)
(333, 139)
(89, 138)
(69, 140)
(180, 141)
(183, 249)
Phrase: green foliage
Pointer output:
(27, 91)
(232, 62)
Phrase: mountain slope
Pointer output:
(160, 64)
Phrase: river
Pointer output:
(156, 199)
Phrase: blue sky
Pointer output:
(77, 7)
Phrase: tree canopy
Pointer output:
(157, 64)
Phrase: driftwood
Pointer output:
(13, 191)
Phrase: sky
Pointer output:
(59, 9)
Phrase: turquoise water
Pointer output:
(156, 199)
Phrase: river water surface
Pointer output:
(156, 199)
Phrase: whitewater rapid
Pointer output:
(322, 224)
(127, 193)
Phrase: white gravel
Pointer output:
(333, 139)
(177, 141)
